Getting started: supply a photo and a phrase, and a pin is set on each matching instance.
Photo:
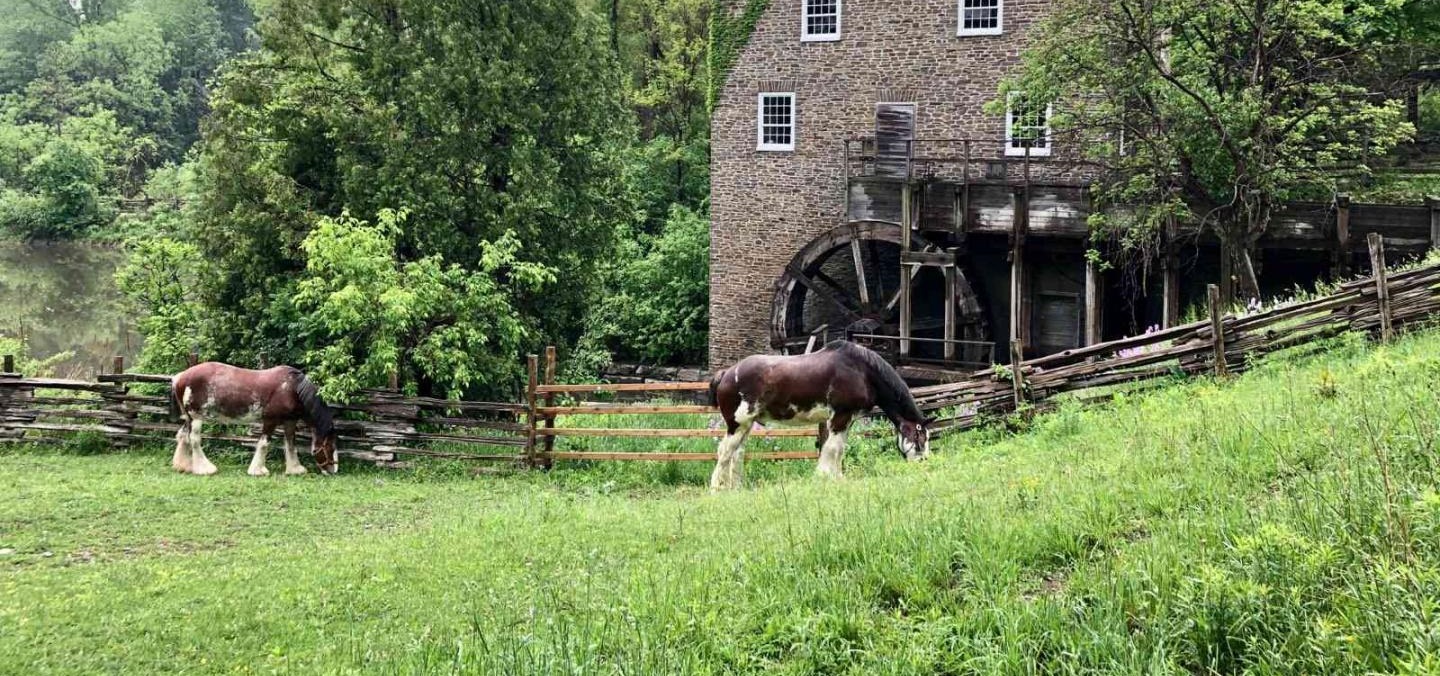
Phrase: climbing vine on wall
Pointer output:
(728, 35)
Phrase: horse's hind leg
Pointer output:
(199, 464)
(262, 447)
(181, 461)
(292, 460)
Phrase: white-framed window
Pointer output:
(819, 20)
(775, 121)
(982, 17)
(1027, 126)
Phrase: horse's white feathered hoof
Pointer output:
(295, 471)
(258, 471)
(205, 470)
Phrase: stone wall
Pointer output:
(765, 206)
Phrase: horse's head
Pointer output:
(327, 458)
(914, 439)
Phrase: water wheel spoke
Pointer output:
(892, 307)
(822, 292)
(842, 292)
(860, 273)
(874, 246)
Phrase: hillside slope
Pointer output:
(1282, 522)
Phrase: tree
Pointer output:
(484, 122)
(1215, 111)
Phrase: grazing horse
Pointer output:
(830, 387)
(273, 397)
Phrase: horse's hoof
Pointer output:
(258, 471)
(205, 470)
(295, 471)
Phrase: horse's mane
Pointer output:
(892, 395)
(315, 407)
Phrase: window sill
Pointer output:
(820, 38)
(1034, 152)
(775, 148)
(979, 32)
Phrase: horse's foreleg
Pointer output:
(199, 464)
(262, 447)
(292, 459)
(181, 460)
(832, 452)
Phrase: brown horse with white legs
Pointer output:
(281, 396)
(830, 387)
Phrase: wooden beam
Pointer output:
(950, 299)
(822, 292)
(1217, 328)
(624, 387)
(533, 367)
(1018, 288)
(860, 272)
(1093, 305)
(905, 275)
(1382, 288)
(608, 409)
(1433, 201)
(1017, 372)
(938, 258)
(680, 457)
(1340, 254)
(549, 401)
(671, 433)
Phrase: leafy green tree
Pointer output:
(445, 328)
(484, 122)
(1214, 111)
(659, 308)
(160, 279)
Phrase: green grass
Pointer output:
(1287, 521)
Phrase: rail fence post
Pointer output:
(1217, 329)
(9, 364)
(193, 358)
(1382, 287)
(533, 364)
(118, 364)
(549, 402)
(1017, 371)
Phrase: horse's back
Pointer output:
(216, 389)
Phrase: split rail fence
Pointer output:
(383, 425)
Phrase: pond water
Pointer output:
(61, 297)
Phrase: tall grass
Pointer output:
(1287, 521)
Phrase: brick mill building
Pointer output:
(858, 187)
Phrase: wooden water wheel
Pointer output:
(848, 280)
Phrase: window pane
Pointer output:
(822, 17)
(980, 14)
(777, 112)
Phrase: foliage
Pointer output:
(450, 329)
(25, 363)
(1254, 526)
(490, 124)
(1216, 112)
(659, 309)
(160, 279)
(96, 95)
(728, 36)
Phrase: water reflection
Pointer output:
(62, 297)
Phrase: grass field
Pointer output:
(1285, 522)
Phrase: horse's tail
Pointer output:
(315, 407)
(174, 402)
(715, 387)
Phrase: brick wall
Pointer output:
(765, 206)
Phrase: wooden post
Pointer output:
(950, 299)
(1382, 287)
(393, 381)
(1018, 288)
(1217, 329)
(1017, 371)
(1094, 309)
(264, 360)
(117, 364)
(1433, 201)
(1170, 277)
(1340, 259)
(9, 364)
(193, 358)
(549, 401)
(533, 364)
(905, 310)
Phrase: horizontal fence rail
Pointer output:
(383, 425)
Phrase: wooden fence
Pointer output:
(384, 425)
(1221, 344)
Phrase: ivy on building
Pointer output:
(728, 35)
